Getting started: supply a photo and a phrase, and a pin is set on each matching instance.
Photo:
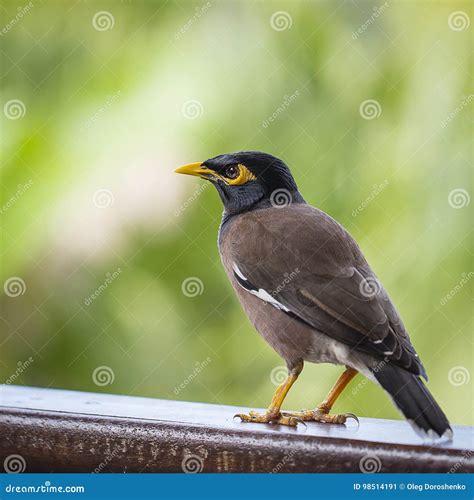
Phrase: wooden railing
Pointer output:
(50, 430)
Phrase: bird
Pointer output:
(308, 290)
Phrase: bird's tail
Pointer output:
(415, 402)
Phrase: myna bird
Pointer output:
(309, 291)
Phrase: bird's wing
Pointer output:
(303, 262)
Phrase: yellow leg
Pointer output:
(273, 414)
(321, 413)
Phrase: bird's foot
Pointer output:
(321, 414)
(269, 417)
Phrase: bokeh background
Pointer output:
(111, 279)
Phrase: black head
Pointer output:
(248, 179)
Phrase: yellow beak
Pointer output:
(193, 169)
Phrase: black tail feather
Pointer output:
(414, 400)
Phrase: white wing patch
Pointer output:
(260, 293)
(266, 297)
(238, 272)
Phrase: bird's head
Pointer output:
(247, 178)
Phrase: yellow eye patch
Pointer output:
(244, 176)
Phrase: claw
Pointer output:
(299, 421)
(353, 416)
(339, 418)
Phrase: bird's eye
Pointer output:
(232, 172)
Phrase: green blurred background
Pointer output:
(102, 100)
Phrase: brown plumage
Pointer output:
(309, 291)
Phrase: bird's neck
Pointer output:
(292, 197)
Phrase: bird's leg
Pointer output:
(273, 414)
(321, 413)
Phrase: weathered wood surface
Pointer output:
(67, 431)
